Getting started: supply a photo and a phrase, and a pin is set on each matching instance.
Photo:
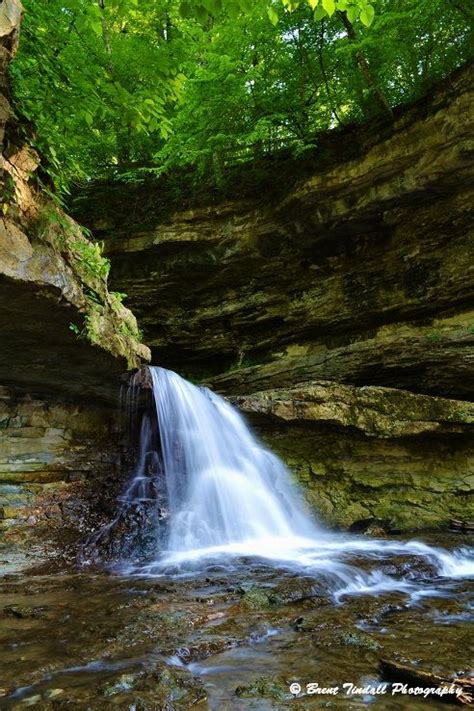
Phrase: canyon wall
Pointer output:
(331, 299)
(55, 457)
(358, 272)
(65, 339)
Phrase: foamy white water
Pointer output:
(223, 487)
(230, 498)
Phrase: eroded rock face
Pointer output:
(373, 411)
(360, 274)
(53, 286)
(65, 341)
(54, 459)
(409, 483)
(372, 452)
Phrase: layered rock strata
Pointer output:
(404, 459)
(359, 273)
(65, 338)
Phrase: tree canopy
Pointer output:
(127, 88)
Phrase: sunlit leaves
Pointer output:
(319, 13)
(233, 8)
(367, 15)
(352, 13)
(213, 6)
(157, 85)
(273, 15)
(329, 6)
(94, 80)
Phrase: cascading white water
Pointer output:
(228, 497)
(223, 487)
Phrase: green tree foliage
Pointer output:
(258, 87)
(97, 76)
(131, 87)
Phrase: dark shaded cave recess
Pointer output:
(135, 518)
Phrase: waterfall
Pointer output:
(223, 486)
(213, 493)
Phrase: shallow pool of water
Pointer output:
(226, 637)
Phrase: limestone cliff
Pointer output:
(360, 273)
(372, 452)
(357, 273)
(53, 281)
(65, 338)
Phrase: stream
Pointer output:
(227, 637)
(227, 593)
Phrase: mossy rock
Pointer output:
(269, 687)
(255, 599)
(358, 639)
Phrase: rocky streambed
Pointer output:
(224, 637)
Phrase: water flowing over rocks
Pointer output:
(335, 310)
(334, 307)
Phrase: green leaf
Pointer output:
(352, 14)
(329, 6)
(233, 10)
(201, 14)
(185, 9)
(367, 15)
(313, 4)
(212, 6)
(96, 26)
(319, 13)
(273, 15)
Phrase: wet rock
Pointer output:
(358, 639)
(124, 683)
(411, 482)
(255, 599)
(206, 648)
(177, 689)
(270, 687)
(331, 642)
(371, 527)
(23, 611)
(296, 590)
